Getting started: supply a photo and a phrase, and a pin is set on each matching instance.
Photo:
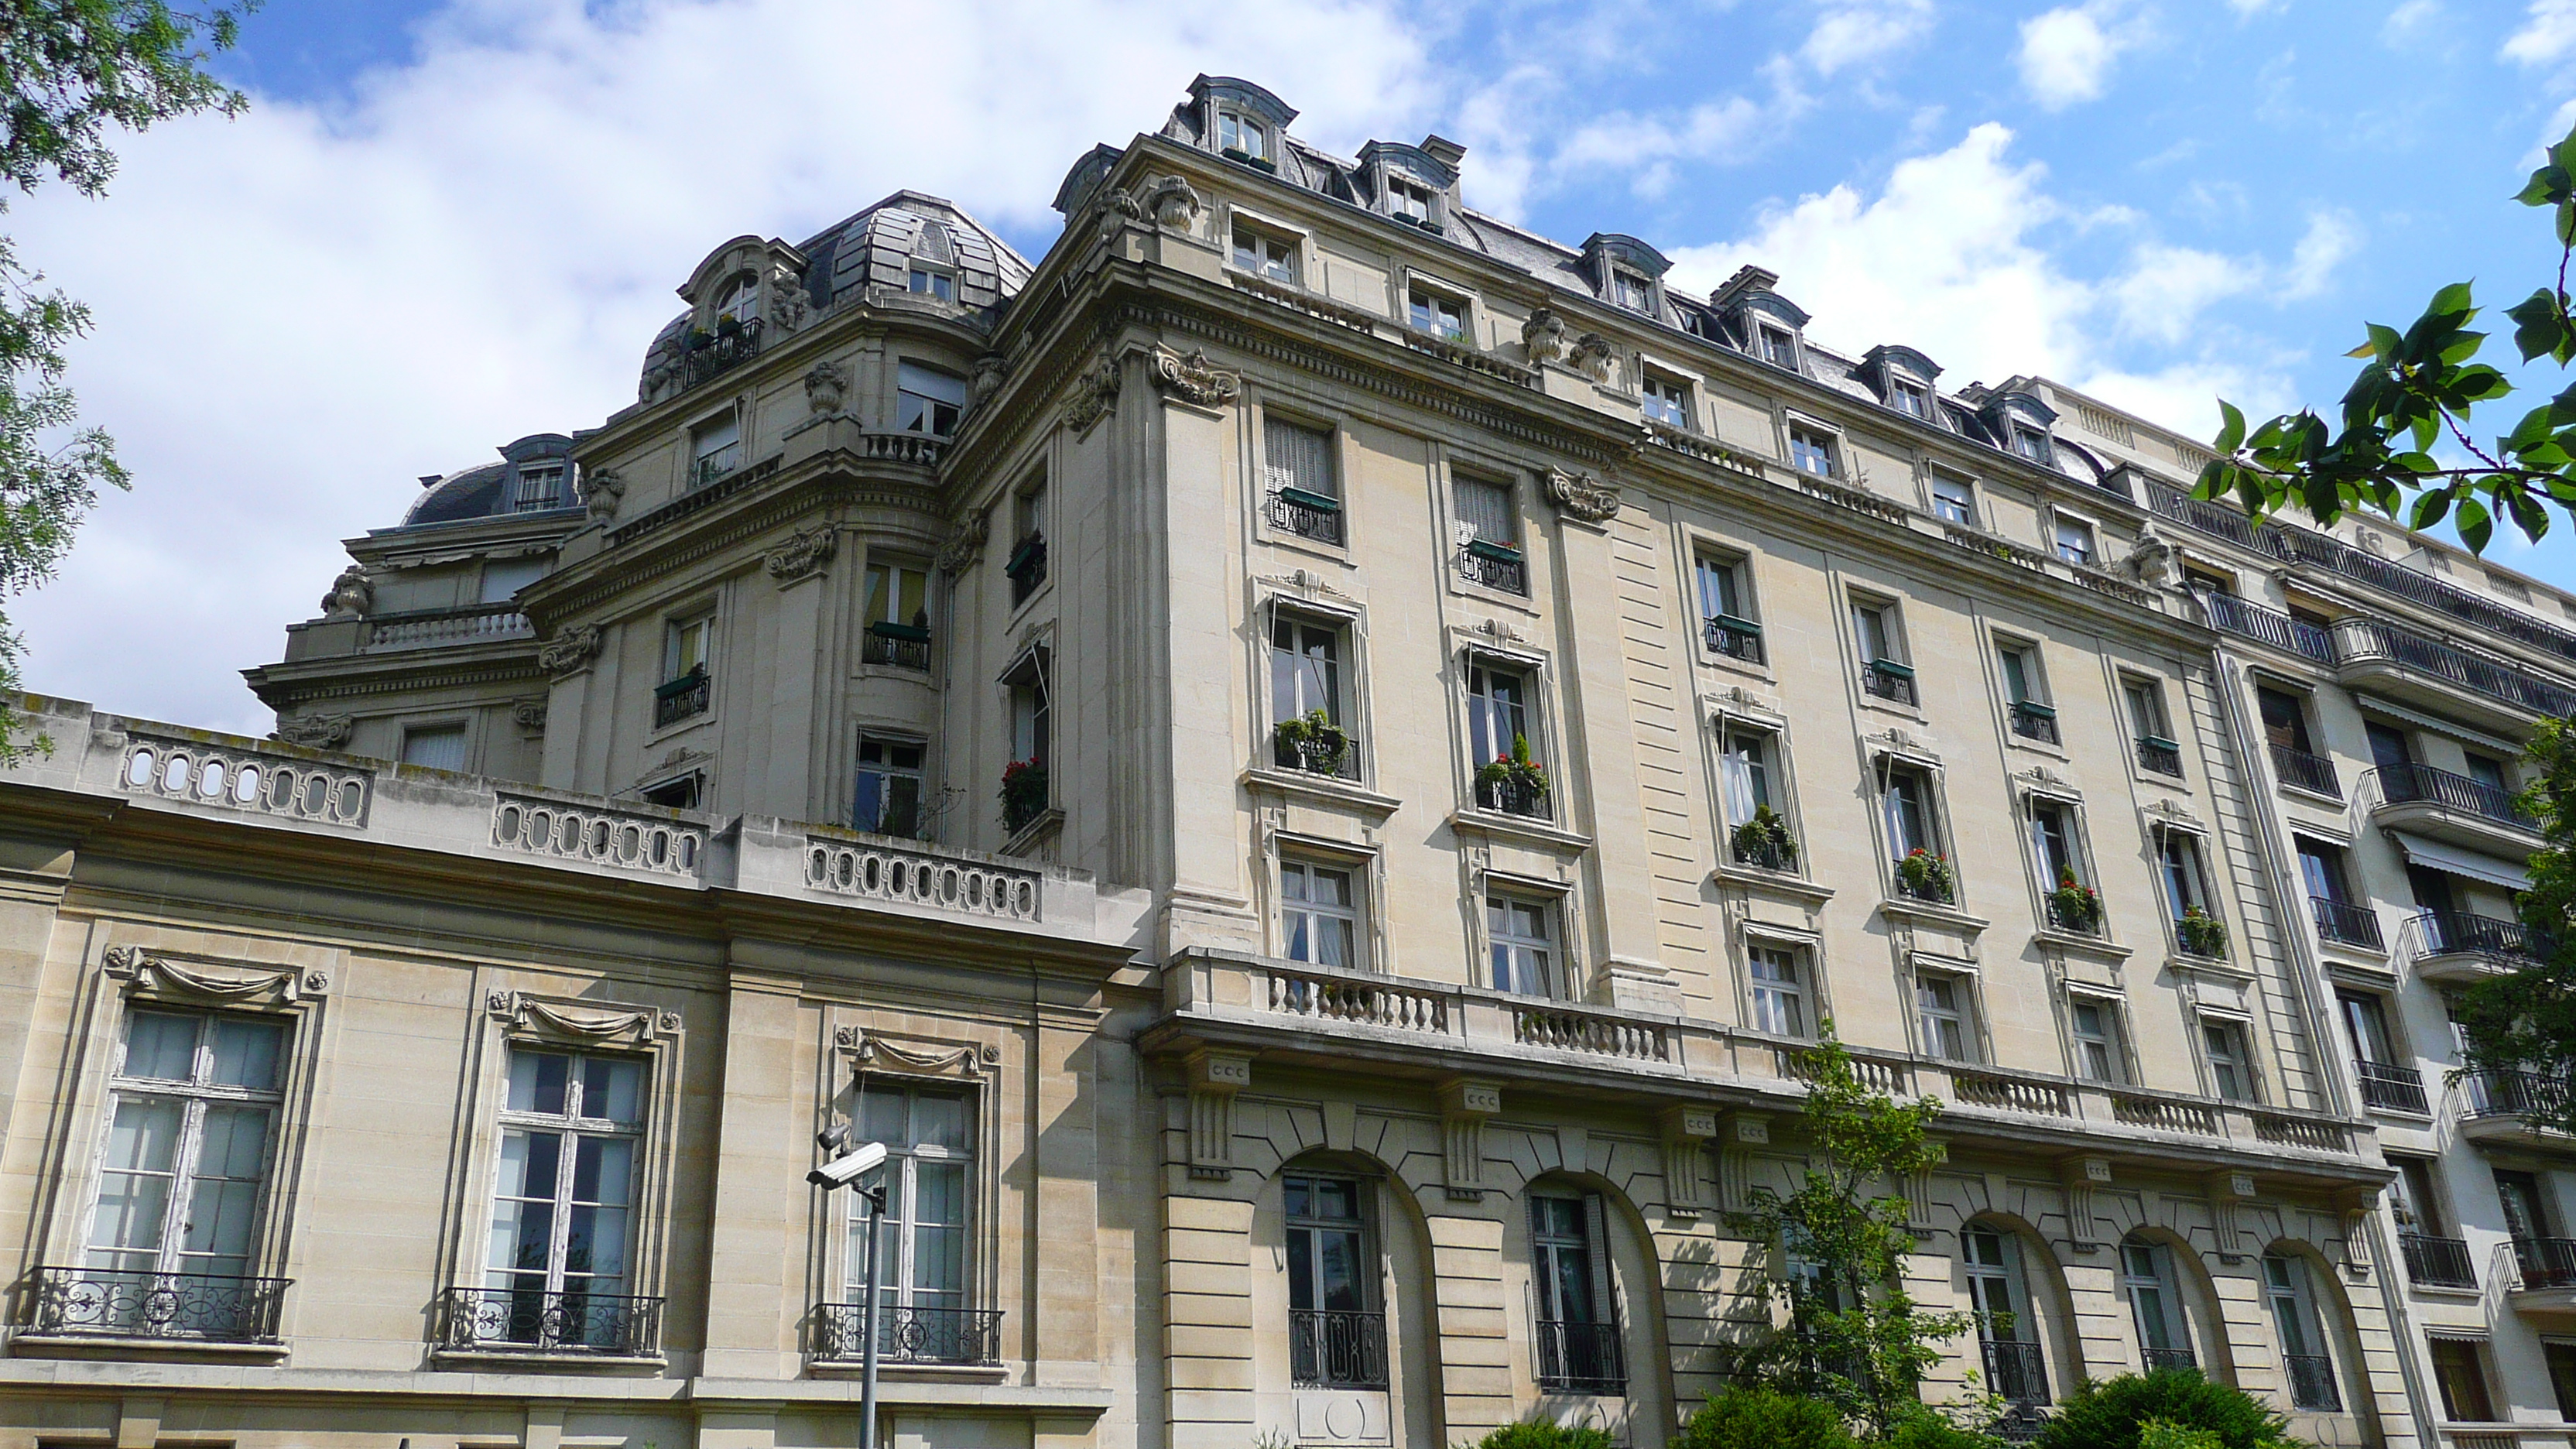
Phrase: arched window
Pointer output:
(2007, 1332)
(1578, 1324)
(2155, 1305)
(739, 303)
(1336, 1329)
(2289, 1293)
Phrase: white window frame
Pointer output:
(2059, 521)
(713, 463)
(1657, 385)
(1632, 291)
(1904, 385)
(1962, 1012)
(572, 1127)
(2112, 1011)
(1274, 481)
(1556, 977)
(675, 630)
(1800, 989)
(196, 1096)
(1354, 917)
(1247, 129)
(2173, 1315)
(934, 409)
(2239, 1029)
(920, 271)
(1441, 296)
(1823, 439)
(900, 1176)
(1971, 509)
(889, 771)
(1280, 256)
(1775, 344)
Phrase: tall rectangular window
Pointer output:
(1262, 254)
(1726, 608)
(1776, 346)
(1954, 498)
(1319, 917)
(562, 1204)
(1578, 1348)
(540, 486)
(1912, 399)
(1779, 991)
(927, 400)
(1305, 669)
(929, 1137)
(1906, 801)
(715, 449)
(2052, 842)
(2231, 1071)
(2075, 540)
(1336, 1331)
(1305, 497)
(1885, 673)
(1941, 1004)
(2185, 888)
(1031, 709)
(899, 595)
(2147, 1275)
(888, 799)
(1498, 712)
(195, 1100)
(1812, 451)
(1632, 292)
(2096, 1024)
(2459, 1371)
(2025, 700)
(2157, 748)
(1027, 566)
(1521, 934)
(687, 646)
(1489, 536)
(1744, 770)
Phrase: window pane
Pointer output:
(1487, 509)
(134, 1191)
(538, 1080)
(161, 1047)
(939, 1122)
(1297, 457)
(612, 1089)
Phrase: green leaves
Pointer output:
(2541, 327)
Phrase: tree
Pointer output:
(2526, 1019)
(1855, 1337)
(2413, 396)
(72, 69)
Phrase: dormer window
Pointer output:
(2031, 443)
(1911, 398)
(934, 283)
(1631, 291)
(1259, 252)
(1241, 137)
(741, 302)
(540, 486)
(1775, 345)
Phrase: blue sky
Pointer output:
(442, 226)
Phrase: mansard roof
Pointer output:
(488, 490)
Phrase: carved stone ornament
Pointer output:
(243, 985)
(985, 378)
(1544, 335)
(601, 491)
(958, 554)
(351, 595)
(789, 305)
(317, 731)
(1194, 379)
(1174, 202)
(2152, 562)
(1117, 210)
(803, 554)
(529, 714)
(1595, 356)
(872, 1050)
(580, 1021)
(1582, 495)
(1095, 392)
(827, 383)
(571, 651)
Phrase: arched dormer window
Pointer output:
(738, 303)
(933, 270)
(1903, 379)
(1240, 121)
(1416, 185)
(2019, 423)
(1626, 272)
(1767, 325)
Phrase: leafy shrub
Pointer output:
(2114, 1414)
(1925, 1429)
(1543, 1435)
(1759, 1418)
(2157, 1434)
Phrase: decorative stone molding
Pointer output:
(571, 651)
(1687, 1133)
(985, 378)
(2079, 1176)
(351, 595)
(2153, 562)
(1582, 495)
(1095, 392)
(2227, 1192)
(1744, 1131)
(1543, 337)
(317, 731)
(1214, 1079)
(1595, 356)
(601, 491)
(588, 1022)
(529, 714)
(827, 386)
(2355, 1205)
(261, 985)
(803, 555)
(962, 1058)
(1917, 1187)
(959, 553)
(1465, 1107)
(1501, 630)
(1174, 203)
(790, 307)
(1194, 379)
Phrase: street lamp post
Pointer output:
(844, 1168)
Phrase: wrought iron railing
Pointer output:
(1307, 515)
(713, 353)
(2409, 783)
(1765, 854)
(1513, 797)
(2016, 1373)
(2393, 1088)
(532, 1320)
(2433, 1262)
(1887, 679)
(2364, 640)
(2545, 1262)
(2171, 1358)
(2512, 1094)
(119, 1303)
(1581, 1358)
(2449, 933)
(1494, 565)
(1336, 1349)
(2312, 1383)
(2422, 588)
(2230, 614)
(1318, 757)
(2161, 756)
(1735, 638)
(2345, 922)
(904, 646)
(2034, 721)
(1936, 890)
(2302, 771)
(2067, 914)
(680, 698)
(909, 1335)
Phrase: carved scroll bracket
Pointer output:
(1465, 1107)
(1687, 1133)
(1214, 1079)
(2079, 1176)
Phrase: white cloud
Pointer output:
(2548, 34)
(2067, 53)
(2410, 21)
(1855, 32)
(2330, 240)
(299, 311)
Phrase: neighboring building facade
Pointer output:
(1507, 707)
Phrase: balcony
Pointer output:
(2312, 1383)
(1301, 514)
(1336, 1349)
(175, 1307)
(535, 1321)
(1027, 567)
(1513, 797)
(956, 1336)
(2229, 614)
(1495, 566)
(2474, 689)
(2387, 1087)
(2299, 770)
(1336, 760)
(2017, 1373)
(1581, 1358)
(1886, 679)
(897, 646)
(437, 628)
(681, 698)
(2437, 1262)
(2545, 1276)
(707, 355)
(2457, 947)
(2339, 557)
(2454, 808)
(2160, 756)
(2512, 1108)
(2034, 721)
(1737, 639)
(2346, 924)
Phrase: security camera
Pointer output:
(850, 1166)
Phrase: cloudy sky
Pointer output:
(442, 226)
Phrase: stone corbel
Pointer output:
(2079, 1176)
(1582, 496)
(571, 651)
(1465, 1107)
(1744, 1132)
(1918, 1194)
(1095, 392)
(588, 1022)
(1214, 1079)
(1194, 379)
(803, 555)
(2355, 1205)
(529, 714)
(959, 553)
(244, 985)
(1687, 1133)
(2228, 1191)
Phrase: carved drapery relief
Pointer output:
(236, 985)
(1095, 392)
(601, 491)
(963, 1058)
(1687, 1132)
(1465, 1107)
(1214, 1079)
(1174, 203)
(1543, 335)
(571, 651)
(351, 595)
(827, 385)
(958, 554)
(1194, 379)
(317, 731)
(581, 1021)
(2079, 1176)
(804, 553)
(1582, 496)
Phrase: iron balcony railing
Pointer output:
(1766, 854)
(2545, 1262)
(2433, 1262)
(2171, 1358)
(2083, 920)
(533, 1320)
(2016, 1373)
(1937, 891)
(2512, 1094)
(1581, 1358)
(2363, 640)
(1336, 1349)
(120, 1303)
(712, 467)
(1027, 567)
(909, 1335)
(1513, 797)
(680, 698)
(2347, 923)
(1316, 757)
(2230, 614)
(2159, 755)
(2449, 933)
(712, 353)
(2034, 721)
(904, 646)
(1735, 638)
(1307, 515)
(2409, 783)
(1888, 679)
(2312, 1383)
(1494, 565)
(2393, 1088)
(2302, 771)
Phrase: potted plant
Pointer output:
(1765, 841)
(1311, 741)
(728, 326)
(1925, 875)
(1024, 793)
(2202, 933)
(1513, 783)
(2074, 905)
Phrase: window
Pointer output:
(1744, 776)
(2302, 1334)
(2460, 1371)
(1631, 291)
(2032, 717)
(921, 1236)
(1906, 799)
(2096, 1026)
(1941, 1005)
(715, 449)
(2031, 443)
(2187, 895)
(2285, 720)
(1437, 313)
(1776, 346)
(1779, 991)
(2073, 905)
(1305, 497)
(435, 747)
(2365, 1024)
(2146, 1273)
(2074, 540)
(927, 400)
(1489, 529)
(1498, 729)
(1578, 1335)
(1884, 673)
(1726, 609)
(741, 302)
(684, 646)
(1522, 936)
(2330, 896)
(503, 578)
(2518, 1193)
(1259, 252)
(195, 1105)
(888, 798)
(2231, 1072)
(2489, 773)
(540, 486)
(898, 616)
(2016, 1370)
(2562, 1376)
(1812, 451)
(2389, 749)
(1336, 1332)
(2158, 750)
(1666, 401)
(1318, 915)
(1027, 567)
(933, 283)
(676, 794)
(1030, 708)
(1305, 669)
(1407, 201)
(1240, 133)
(562, 1204)
(1912, 399)
(1954, 499)
(2412, 1201)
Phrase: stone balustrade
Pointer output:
(648, 842)
(888, 872)
(241, 776)
(430, 629)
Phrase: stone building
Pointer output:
(1310, 760)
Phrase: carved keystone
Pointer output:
(1464, 1108)
(1687, 1133)
(2079, 1176)
(1214, 1079)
